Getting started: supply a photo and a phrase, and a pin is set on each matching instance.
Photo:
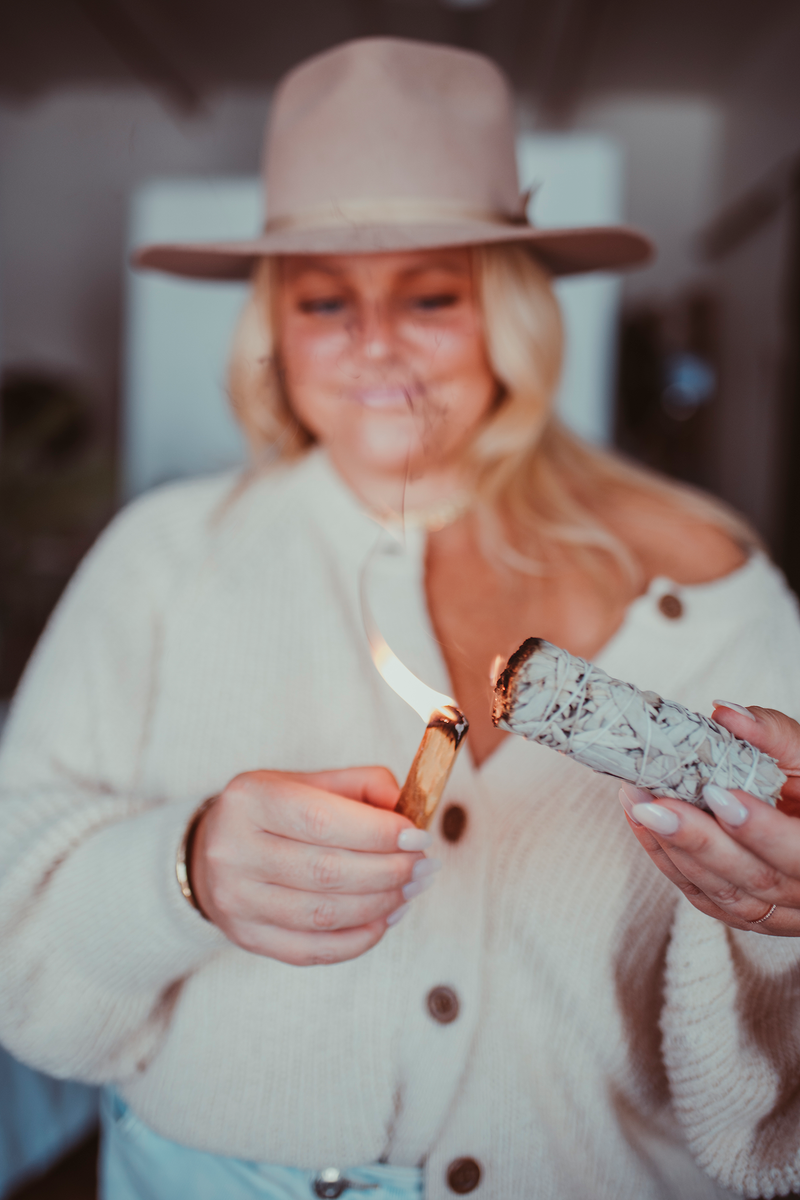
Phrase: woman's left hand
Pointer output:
(738, 866)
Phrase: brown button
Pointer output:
(454, 822)
(463, 1175)
(443, 1004)
(671, 606)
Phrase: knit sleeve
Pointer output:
(95, 936)
(731, 1016)
(731, 1030)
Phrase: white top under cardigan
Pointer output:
(608, 1033)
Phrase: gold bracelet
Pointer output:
(185, 854)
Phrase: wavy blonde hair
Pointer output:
(538, 485)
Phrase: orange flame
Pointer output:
(498, 662)
(416, 694)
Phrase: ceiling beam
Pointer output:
(142, 53)
(742, 219)
(566, 56)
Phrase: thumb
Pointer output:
(775, 734)
(767, 729)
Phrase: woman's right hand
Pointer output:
(306, 868)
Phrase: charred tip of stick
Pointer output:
(503, 688)
(520, 656)
(452, 723)
(433, 762)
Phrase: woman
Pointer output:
(397, 360)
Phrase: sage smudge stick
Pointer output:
(552, 697)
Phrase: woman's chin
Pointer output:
(387, 446)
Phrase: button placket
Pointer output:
(433, 1051)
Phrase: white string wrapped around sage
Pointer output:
(549, 696)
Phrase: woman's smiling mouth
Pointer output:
(387, 396)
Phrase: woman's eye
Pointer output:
(324, 305)
(433, 302)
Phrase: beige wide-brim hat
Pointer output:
(383, 145)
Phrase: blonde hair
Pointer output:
(538, 485)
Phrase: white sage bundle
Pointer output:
(549, 696)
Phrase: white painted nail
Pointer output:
(398, 914)
(414, 839)
(725, 805)
(655, 817)
(416, 888)
(426, 866)
(733, 707)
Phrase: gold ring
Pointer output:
(765, 917)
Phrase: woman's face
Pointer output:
(384, 356)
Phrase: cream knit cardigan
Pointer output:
(610, 1037)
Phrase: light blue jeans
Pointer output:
(137, 1164)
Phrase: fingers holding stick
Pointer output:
(307, 868)
(775, 734)
(735, 873)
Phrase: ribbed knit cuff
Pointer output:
(123, 922)
(770, 956)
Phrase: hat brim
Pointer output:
(561, 251)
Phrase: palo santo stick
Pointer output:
(432, 765)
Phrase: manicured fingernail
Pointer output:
(416, 888)
(630, 795)
(653, 816)
(398, 914)
(725, 805)
(426, 866)
(414, 839)
(733, 707)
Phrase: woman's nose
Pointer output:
(377, 332)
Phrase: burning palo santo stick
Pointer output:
(433, 762)
(445, 731)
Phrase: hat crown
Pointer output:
(383, 145)
(382, 119)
